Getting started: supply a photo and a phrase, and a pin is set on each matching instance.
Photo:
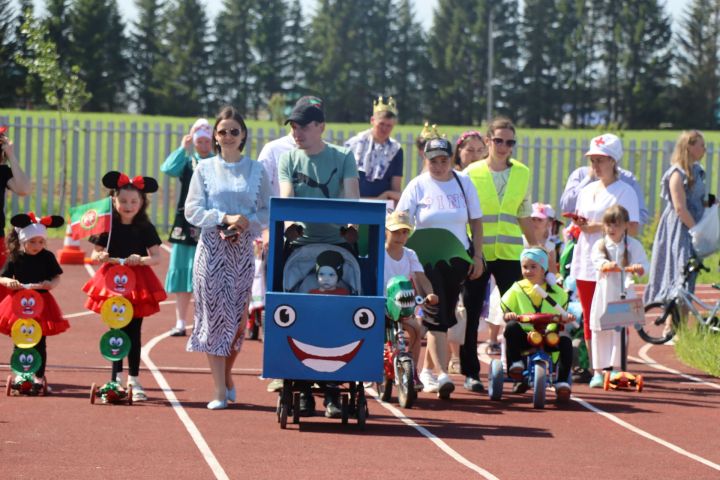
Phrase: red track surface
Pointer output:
(63, 435)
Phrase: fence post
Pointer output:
(75, 161)
(86, 162)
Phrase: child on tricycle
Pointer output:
(533, 295)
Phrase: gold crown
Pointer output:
(429, 132)
(380, 105)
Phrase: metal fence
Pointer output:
(94, 148)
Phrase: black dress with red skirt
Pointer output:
(126, 240)
(34, 269)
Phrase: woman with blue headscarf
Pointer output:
(523, 298)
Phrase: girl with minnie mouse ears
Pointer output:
(31, 265)
(133, 238)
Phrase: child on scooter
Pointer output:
(400, 260)
(522, 298)
(615, 250)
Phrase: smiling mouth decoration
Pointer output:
(323, 359)
(114, 351)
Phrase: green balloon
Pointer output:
(25, 360)
(114, 345)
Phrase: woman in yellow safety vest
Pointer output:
(503, 186)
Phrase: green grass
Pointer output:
(699, 348)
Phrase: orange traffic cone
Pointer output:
(70, 253)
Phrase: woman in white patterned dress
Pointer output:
(229, 200)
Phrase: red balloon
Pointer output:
(120, 279)
(27, 304)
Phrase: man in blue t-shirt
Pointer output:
(379, 157)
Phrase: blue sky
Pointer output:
(423, 8)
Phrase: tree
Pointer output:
(186, 65)
(698, 65)
(99, 48)
(543, 55)
(348, 61)
(28, 88)
(295, 56)
(646, 63)
(267, 41)
(57, 21)
(10, 74)
(458, 49)
(147, 57)
(408, 63)
(63, 90)
(577, 70)
(231, 57)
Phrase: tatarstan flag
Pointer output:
(91, 218)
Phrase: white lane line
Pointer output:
(190, 426)
(645, 434)
(430, 436)
(647, 360)
(89, 269)
(486, 359)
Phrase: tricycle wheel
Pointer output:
(93, 393)
(639, 383)
(129, 395)
(606, 381)
(495, 380)
(344, 407)
(539, 385)
(8, 386)
(277, 406)
(406, 385)
(296, 408)
(44, 388)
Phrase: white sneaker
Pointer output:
(429, 381)
(138, 393)
(445, 386)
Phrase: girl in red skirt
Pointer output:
(133, 238)
(31, 264)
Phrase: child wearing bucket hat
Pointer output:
(31, 265)
(400, 260)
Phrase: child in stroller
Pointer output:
(323, 269)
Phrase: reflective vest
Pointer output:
(519, 295)
(502, 236)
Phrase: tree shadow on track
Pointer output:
(482, 405)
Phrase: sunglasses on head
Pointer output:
(500, 141)
(235, 132)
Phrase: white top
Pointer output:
(406, 266)
(592, 202)
(269, 156)
(435, 204)
(608, 283)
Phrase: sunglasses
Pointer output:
(500, 141)
(235, 132)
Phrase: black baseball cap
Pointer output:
(436, 147)
(307, 109)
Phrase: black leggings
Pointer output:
(132, 330)
(41, 348)
(506, 272)
(447, 280)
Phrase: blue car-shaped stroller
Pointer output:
(312, 337)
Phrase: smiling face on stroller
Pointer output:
(308, 268)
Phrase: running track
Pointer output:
(669, 431)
